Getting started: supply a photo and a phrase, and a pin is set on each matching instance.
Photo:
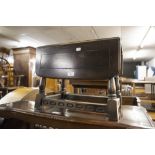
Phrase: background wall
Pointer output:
(151, 63)
(151, 67)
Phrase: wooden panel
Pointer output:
(69, 87)
(152, 115)
(32, 58)
(52, 84)
(99, 59)
(21, 67)
(23, 64)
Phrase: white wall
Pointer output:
(151, 62)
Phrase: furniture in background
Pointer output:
(141, 72)
(90, 87)
(134, 83)
(9, 81)
(24, 64)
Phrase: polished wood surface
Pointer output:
(16, 95)
(128, 81)
(152, 115)
(148, 101)
(93, 61)
(89, 83)
(133, 117)
(22, 93)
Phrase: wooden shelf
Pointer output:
(148, 101)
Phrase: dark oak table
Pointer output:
(133, 117)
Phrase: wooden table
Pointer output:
(134, 82)
(133, 117)
(104, 84)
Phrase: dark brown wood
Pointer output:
(89, 83)
(126, 100)
(93, 60)
(23, 64)
(99, 59)
(4, 50)
(71, 119)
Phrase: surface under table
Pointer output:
(132, 116)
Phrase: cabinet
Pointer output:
(24, 63)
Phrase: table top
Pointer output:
(133, 116)
(126, 80)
